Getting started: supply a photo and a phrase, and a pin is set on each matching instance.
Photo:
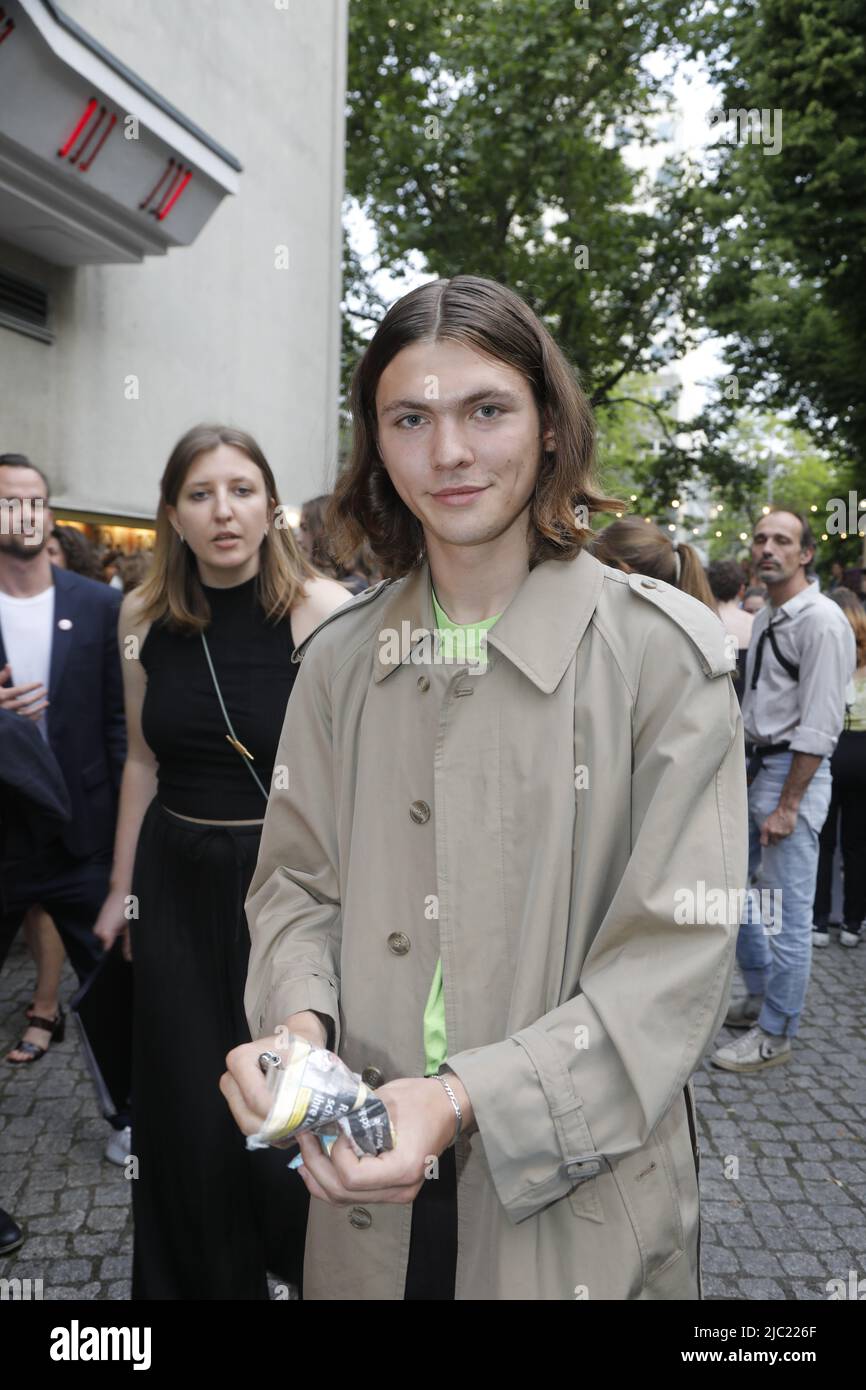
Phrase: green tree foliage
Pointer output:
(488, 139)
(785, 254)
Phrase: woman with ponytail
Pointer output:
(632, 544)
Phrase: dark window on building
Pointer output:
(24, 307)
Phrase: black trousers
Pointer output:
(211, 1218)
(847, 814)
(433, 1246)
(71, 890)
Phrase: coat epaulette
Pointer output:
(357, 601)
(717, 648)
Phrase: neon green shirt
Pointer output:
(435, 1039)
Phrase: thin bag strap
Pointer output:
(231, 735)
(790, 666)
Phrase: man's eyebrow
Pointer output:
(487, 393)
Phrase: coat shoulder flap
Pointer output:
(716, 648)
(357, 601)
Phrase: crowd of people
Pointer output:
(271, 827)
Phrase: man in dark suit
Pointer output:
(34, 804)
(60, 668)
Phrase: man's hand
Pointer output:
(784, 819)
(778, 825)
(28, 700)
(246, 1088)
(424, 1121)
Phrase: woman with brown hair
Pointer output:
(361, 570)
(207, 644)
(633, 544)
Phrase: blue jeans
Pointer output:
(775, 954)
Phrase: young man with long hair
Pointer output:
(471, 887)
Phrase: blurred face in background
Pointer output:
(222, 512)
(777, 551)
(304, 536)
(55, 552)
(25, 525)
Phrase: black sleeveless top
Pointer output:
(199, 773)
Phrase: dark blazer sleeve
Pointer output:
(115, 719)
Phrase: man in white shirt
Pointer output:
(801, 657)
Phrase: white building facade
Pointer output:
(171, 178)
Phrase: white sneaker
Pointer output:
(754, 1051)
(851, 936)
(118, 1147)
(743, 1013)
(820, 936)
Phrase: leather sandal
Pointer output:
(55, 1026)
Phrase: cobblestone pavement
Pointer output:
(793, 1218)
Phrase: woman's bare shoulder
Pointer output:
(321, 597)
(132, 619)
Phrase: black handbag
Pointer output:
(102, 1009)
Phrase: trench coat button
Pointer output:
(423, 683)
(399, 943)
(420, 812)
(360, 1218)
(648, 584)
(372, 1077)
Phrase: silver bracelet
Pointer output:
(455, 1102)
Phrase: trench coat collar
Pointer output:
(538, 632)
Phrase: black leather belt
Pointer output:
(756, 753)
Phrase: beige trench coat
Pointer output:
(533, 825)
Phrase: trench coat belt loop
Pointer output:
(581, 1168)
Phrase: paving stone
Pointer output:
(97, 1243)
(67, 1293)
(107, 1219)
(73, 1198)
(717, 1288)
(72, 1271)
(42, 1247)
(117, 1195)
(805, 1293)
(59, 1221)
(741, 1235)
(34, 1203)
(761, 1288)
(716, 1260)
(800, 1262)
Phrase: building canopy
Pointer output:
(95, 166)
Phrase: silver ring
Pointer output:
(269, 1059)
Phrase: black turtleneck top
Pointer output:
(199, 772)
